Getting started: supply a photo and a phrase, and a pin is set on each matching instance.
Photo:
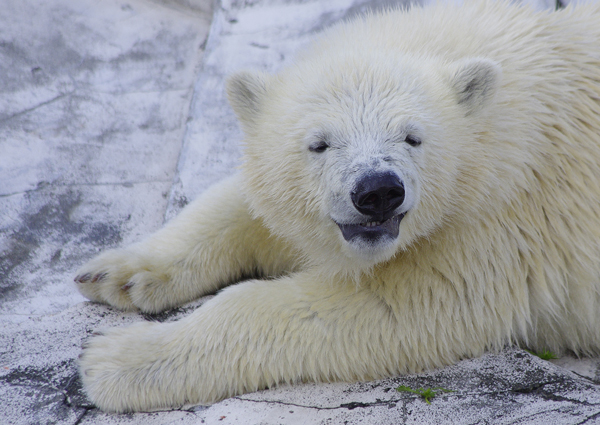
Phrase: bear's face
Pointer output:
(355, 160)
(365, 156)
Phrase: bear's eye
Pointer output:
(318, 147)
(412, 140)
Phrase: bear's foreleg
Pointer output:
(213, 242)
(250, 336)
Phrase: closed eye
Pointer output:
(318, 147)
(412, 140)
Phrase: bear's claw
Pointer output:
(98, 277)
(127, 286)
(82, 278)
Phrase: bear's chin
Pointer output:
(372, 235)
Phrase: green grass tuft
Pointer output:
(426, 393)
(544, 355)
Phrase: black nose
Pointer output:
(378, 194)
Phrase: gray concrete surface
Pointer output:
(112, 117)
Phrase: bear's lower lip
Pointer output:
(372, 230)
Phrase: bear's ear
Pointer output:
(475, 82)
(246, 92)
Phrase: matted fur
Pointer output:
(500, 244)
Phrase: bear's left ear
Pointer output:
(475, 81)
(246, 92)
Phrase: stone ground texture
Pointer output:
(112, 117)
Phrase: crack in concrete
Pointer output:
(535, 389)
(531, 388)
(83, 415)
(587, 378)
(589, 418)
(33, 108)
(350, 406)
(538, 389)
(555, 397)
(88, 409)
(283, 403)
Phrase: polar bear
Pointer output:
(419, 187)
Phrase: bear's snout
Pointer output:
(378, 194)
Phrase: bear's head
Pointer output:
(354, 156)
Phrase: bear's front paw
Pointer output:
(127, 369)
(120, 278)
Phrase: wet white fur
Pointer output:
(501, 242)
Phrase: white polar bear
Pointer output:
(421, 186)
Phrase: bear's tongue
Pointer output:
(372, 230)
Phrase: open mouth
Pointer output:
(372, 230)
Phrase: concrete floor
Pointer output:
(112, 117)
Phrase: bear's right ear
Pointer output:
(475, 81)
(246, 92)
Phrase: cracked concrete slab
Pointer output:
(113, 117)
(509, 387)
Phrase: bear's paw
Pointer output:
(122, 279)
